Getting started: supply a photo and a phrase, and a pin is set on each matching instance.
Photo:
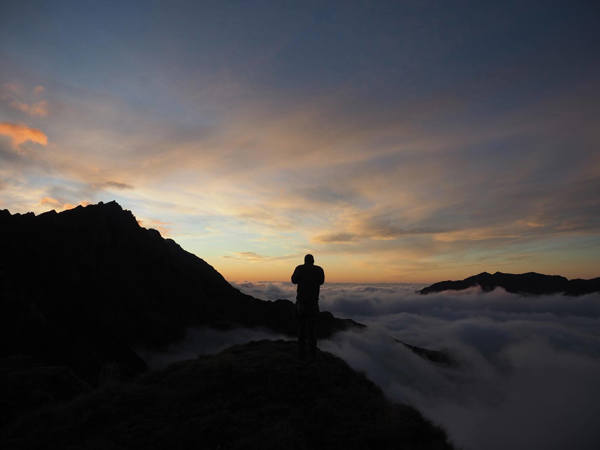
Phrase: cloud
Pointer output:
(11, 89)
(255, 257)
(202, 341)
(391, 224)
(112, 184)
(246, 256)
(329, 195)
(19, 134)
(39, 109)
(264, 216)
(14, 94)
(163, 227)
(60, 205)
(477, 234)
(336, 237)
(406, 187)
(525, 362)
(50, 201)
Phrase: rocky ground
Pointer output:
(256, 395)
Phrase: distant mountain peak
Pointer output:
(530, 283)
(111, 208)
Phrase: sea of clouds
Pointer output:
(528, 372)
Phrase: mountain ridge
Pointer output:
(80, 289)
(83, 286)
(530, 283)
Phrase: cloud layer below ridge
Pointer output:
(528, 366)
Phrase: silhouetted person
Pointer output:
(309, 279)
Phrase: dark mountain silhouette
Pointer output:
(256, 395)
(530, 283)
(82, 287)
(27, 384)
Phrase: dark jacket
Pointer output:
(309, 279)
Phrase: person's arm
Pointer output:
(321, 276)
(296, 276)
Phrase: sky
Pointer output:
(408, 141)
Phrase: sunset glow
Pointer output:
(393, 149)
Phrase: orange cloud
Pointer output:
(533, 224)
(38, 89)
(159, 225)
(50, 201)
(39, 109)
(255, 257)
(21, 133)
(57, 204)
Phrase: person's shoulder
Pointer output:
(319, 268)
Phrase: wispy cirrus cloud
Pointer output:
(255, 257)
(345, 191)
(112, 184)
(24, 100)
(34, 109)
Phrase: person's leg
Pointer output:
(312, 335)
(302, 335)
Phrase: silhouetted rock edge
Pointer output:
(530, 283)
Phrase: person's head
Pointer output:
(308, 259)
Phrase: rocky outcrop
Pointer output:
(26, 385)
(530, 283)
(257, 395)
